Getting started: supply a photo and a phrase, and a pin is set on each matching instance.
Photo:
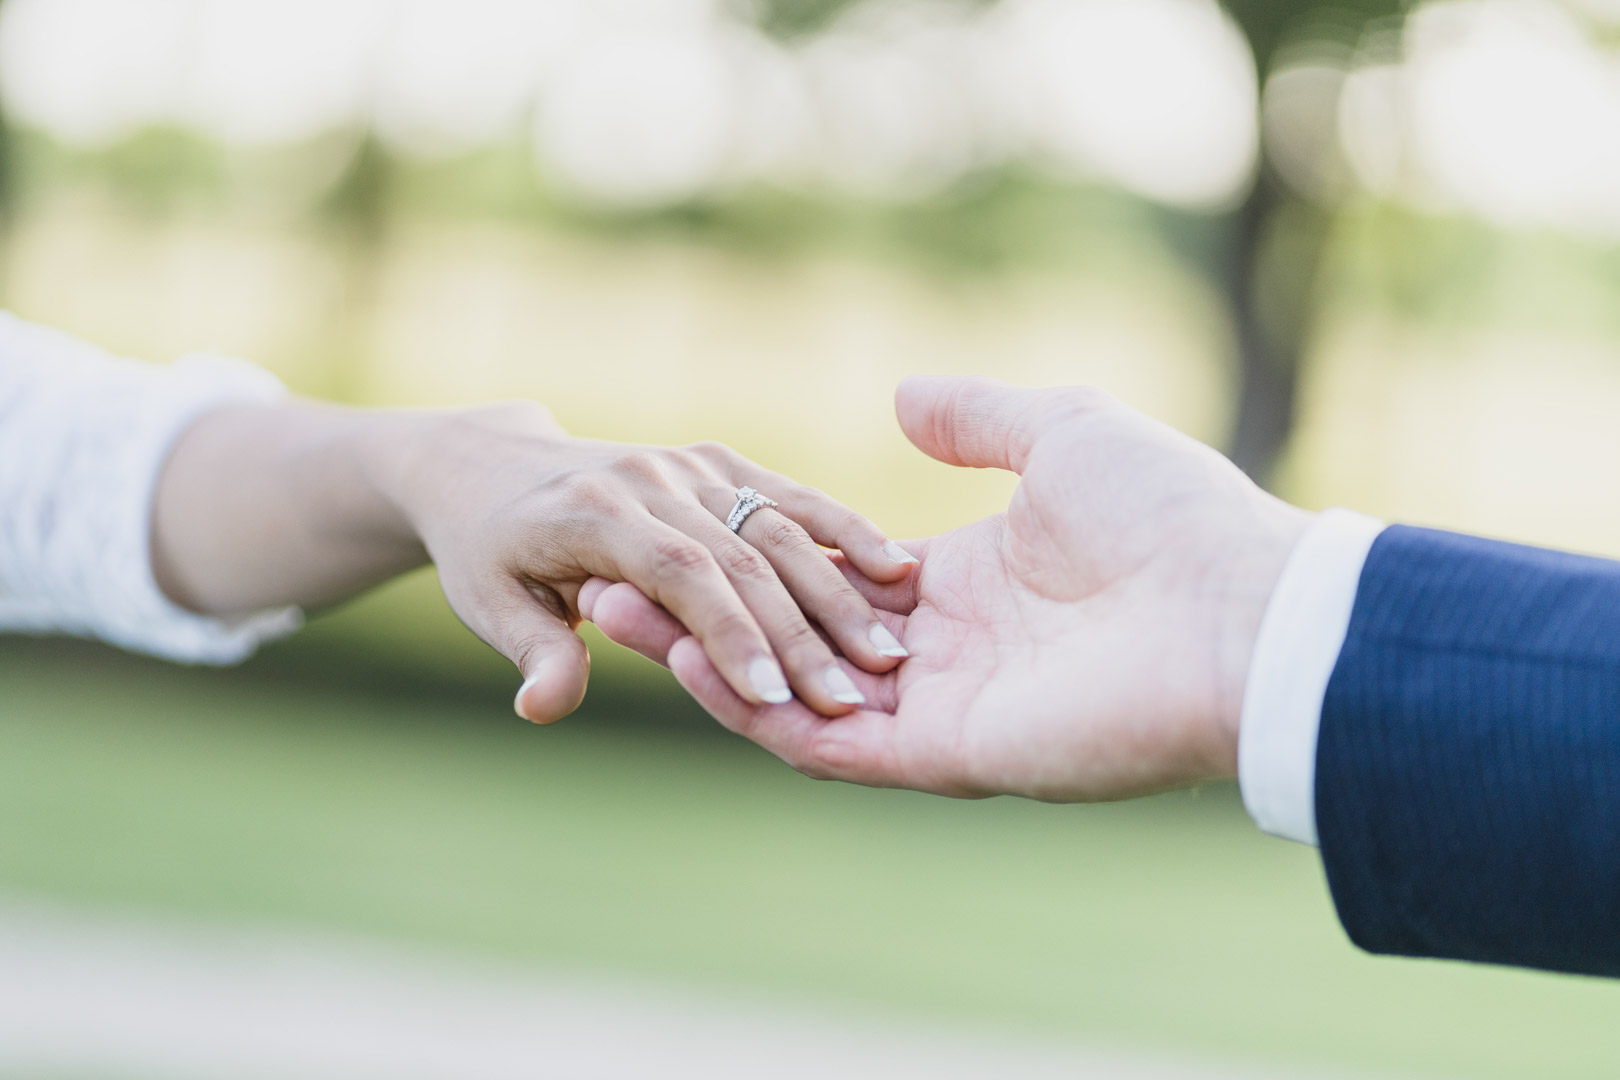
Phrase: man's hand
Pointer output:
(1090, 643)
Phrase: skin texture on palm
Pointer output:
(1090, 643)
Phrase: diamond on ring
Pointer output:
(748, 500)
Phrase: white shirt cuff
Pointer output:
(83, 440)
(1298, 646)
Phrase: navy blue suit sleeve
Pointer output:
(1468, 766)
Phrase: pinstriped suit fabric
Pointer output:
(1468, 764)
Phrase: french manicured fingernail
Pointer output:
(898, 553)
(884, 642)
(517, 702)
(841, 688)
(769, 682)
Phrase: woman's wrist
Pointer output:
(417, 463)
(390, 448)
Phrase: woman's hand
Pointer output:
(267, 505)
(518, 516)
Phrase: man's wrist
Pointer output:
(1294, 656)
(1244, 588)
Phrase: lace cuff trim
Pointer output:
(81, 446)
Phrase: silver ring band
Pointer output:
(748, 500)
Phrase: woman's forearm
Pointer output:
(262, 506)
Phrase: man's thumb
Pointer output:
(554, 662)
(977, 422)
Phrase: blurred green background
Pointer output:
(1320, 236)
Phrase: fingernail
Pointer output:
(898, 553)
(517, 702)
(841, 688)
(886, 643)
(769, 682)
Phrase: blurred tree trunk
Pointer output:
(1268, 370)
(1277, 245)
(1268, 361)
(1270, 284)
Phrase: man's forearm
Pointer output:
(262, 506)
(1468, 767)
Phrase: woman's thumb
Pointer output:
(554, 662)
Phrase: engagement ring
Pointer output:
(748, 500)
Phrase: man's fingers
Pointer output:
(855, 748)
(626, 616)
(697, 675)
(983, 423)
(898, 597)
(554, 661)
(588, 594)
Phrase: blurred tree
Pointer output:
(1269, 268)
(1278, 241)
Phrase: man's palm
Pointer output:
(1088, 644)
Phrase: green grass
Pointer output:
(633, 837)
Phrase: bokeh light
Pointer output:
(647, 104)
(1504, 110)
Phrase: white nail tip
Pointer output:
(842, 689)
(517, 702)
(769, 682)
(886, 643)
(898, 553)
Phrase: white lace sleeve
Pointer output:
(83, 436)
